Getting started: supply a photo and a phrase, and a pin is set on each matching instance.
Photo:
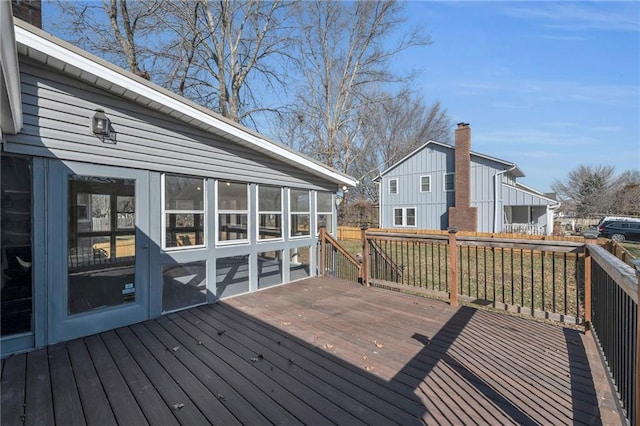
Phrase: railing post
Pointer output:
(587, 290)
(453, 267)
(364, 266)
(323, 251)
(636, 265)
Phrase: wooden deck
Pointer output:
(315, 352)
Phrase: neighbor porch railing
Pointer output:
(524, 228)
(613, 318)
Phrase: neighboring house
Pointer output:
(122, 201)
(439, 186)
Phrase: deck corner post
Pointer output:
(453, 267)
(364, 267)
(323, 251)
(587, 290)
(636, 266)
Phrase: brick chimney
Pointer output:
(28, 10)
(462, 215)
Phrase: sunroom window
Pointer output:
(299, 208)
(233, 212)
(184, 212)
(325, 211)
(269, 212)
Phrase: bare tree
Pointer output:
(126, 37)
(217, 53)
(588, 188)
(626, 197)
(392, 129)
(344, 54)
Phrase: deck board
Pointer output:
(318, 351)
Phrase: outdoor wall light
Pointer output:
(100, 124)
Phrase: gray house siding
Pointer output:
(57, 112)
(431, 207)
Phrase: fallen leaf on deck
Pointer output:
(285, 322)
(365, 357)
(328, 346)
(178, 406)
(378, 344)
(175, 348)
(368, 368)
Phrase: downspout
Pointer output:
(495, 198)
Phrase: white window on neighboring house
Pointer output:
(183, 212)
(449, 182)
(404, 216)
(393, 186)
(425, 183)
(233, 212)
(324, 209)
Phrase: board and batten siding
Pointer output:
(57, 114)
(513, 196)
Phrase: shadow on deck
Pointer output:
(318, 351)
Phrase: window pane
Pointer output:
(183, 193)
(232, 196)
(393, 186)
(325, 203)
(232, 275)
(397, 217)
(299, 259)
(269, 199)
(325, 220)
(15, 229)
(300, 225)
(449, 182)
(270, 226)
(411, 217)
(269, 268)
(184, 229)
(232, 227)
(101, 263)
(299, 201)
(425, 183)
(184, 285)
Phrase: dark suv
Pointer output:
(620, 230)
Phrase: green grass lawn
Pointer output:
(632, 248)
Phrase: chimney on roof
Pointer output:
(28, 10)
(462, 215)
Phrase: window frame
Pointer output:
(164, 212)
(218, 212)
(396, 190)
(259, 212)
(422, 185)
(405, 216)
(291, 213)
(453, 182)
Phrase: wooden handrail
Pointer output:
(327, 238)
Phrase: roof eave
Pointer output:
(31, 37)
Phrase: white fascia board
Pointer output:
(152, 92)
(11, 114)
(522, 188)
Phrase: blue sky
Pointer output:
(546, 85)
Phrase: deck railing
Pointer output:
(536, 277)
(335, 261)
(614, 322)
(566, 281)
